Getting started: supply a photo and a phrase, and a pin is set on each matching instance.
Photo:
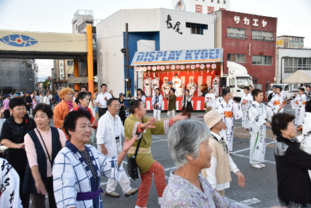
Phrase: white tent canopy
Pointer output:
(300, 76)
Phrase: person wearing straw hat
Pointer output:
(218, 174)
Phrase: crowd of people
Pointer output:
(61, 162)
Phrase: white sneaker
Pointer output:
(160, 201)
(139, 207)
(262, 165)
(257, 166)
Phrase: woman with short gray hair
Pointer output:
(188, 145)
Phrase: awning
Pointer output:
(178, 57)
(300, 76)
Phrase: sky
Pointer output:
(55, 16)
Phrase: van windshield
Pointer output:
(276, 86)
(243, 82)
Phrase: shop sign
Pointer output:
(61, 69)
(178, 56)
(170, 25)
(75, 80)
(246, 21)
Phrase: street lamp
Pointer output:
(282, 67)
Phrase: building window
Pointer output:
(218, 1)
(212, 1)
(236, 33)
(262, 60)
(196, 28)
(238, 58)
(224, 1)
(293, 64)
(262, 35)
(69, 63)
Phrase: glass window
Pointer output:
(256, 60)
(267, 60)
(243, 82)
(69, 63)
(286, 88)
(240, 58)
(218, 1)
(212, 1)
(231, 82)
(295, 61)
(236, 32)
(224, 1)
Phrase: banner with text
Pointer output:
(178, 57)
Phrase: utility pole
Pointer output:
(127, 57)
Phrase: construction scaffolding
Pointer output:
(16, 75)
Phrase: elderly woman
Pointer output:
(188, 143)
(63, 108)
(83, 100)
(77, 167)
(292, 164)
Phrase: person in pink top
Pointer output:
(6, 107)
(42, 145)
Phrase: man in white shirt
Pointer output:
(46, 99)
(41, 97)
(109, 142)
(101, 100)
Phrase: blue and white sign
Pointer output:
(17, 40)
(178, 56)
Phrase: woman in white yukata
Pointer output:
(300, 102)
(259, 114)
(77, 167)
(227, 107)
(246, 103)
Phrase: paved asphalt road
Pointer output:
(261, 185)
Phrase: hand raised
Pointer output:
(149, 124)
(128, 143)
(180, 117)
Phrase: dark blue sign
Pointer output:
(18, 40)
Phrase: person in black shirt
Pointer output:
(292, 164)
(122, 110)
(12, 135)
(28, 101)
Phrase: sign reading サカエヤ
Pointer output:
(178, 56)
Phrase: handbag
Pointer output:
(132, 167)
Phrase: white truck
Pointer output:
(237, 78)
(287, 91)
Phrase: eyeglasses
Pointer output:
(116, 106)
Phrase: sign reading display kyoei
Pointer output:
(178, 56)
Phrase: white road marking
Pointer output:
(251, 201)
(242, 150)
(159, 140)
(248, 158)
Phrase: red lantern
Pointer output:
(158, 67)
(197, 66)
(149, 68)
(187, 66)
(167, 67)
(208, 66)
(177, 66)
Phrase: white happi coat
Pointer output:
(276, 102)
(192, 87)
(216, 86)
(177, 84)
(147, 85)
(9, 186)
(70, 177)
(258, 115)
(300, 108)
(245, 109)
(223, 107)
(105, 134)
(305, 138)
(155, 83)
(165, 89)
(210, 102)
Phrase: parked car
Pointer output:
(287, 92)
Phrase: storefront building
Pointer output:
(249, 40)
(198, 66)
(150, 30)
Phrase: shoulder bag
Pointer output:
(132, 167)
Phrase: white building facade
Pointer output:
(201, 6)
(149, 30)
(289, 60)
